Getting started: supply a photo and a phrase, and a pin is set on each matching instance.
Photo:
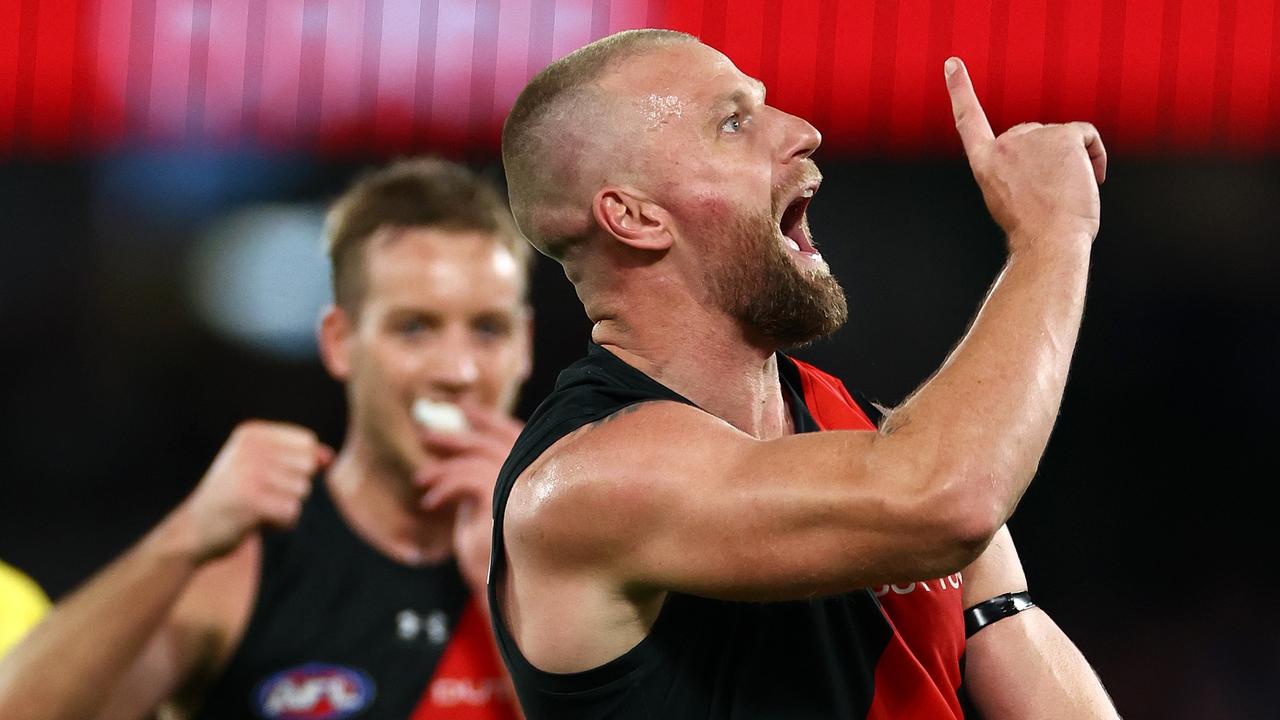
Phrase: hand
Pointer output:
(464, 477)
(260, 477)
(1039, 181)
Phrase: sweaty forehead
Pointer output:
(668, 87)
(683, 73)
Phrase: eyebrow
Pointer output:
(737, 96)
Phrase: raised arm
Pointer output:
(117, 646)
(1024, 667)
(668, 497)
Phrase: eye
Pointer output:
(412, 326)
(492, 328)
(732, 124)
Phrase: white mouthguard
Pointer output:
(439, 416)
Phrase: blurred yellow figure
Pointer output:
(22, 604)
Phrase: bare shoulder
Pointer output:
(588, 493)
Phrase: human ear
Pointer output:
(632, 219)
(333, 336)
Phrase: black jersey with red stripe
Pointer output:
(878, 653)
(339, 630)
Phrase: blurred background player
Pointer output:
(293, 580)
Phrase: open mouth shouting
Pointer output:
(794, 224)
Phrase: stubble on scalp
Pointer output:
(548, 164)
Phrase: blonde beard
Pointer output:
(758, 284)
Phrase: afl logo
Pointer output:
(314, 691)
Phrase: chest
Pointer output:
(337, 631)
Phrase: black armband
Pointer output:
(997, 608)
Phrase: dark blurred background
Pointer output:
(164, 167)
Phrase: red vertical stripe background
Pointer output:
(50, 119)
(1253, 84)
(11, 33)
(1184, 76)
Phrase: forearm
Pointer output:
(980, 424)
(67, 666)
(1024, 667)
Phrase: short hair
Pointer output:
(534, 172)
(416, 193)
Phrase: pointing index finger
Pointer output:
(971, 121)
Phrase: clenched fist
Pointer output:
(260, 477)
(1040, 182)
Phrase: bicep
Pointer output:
(676, 499)
(153, 677)
(198, 636)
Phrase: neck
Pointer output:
(704, 356)
(382, 506)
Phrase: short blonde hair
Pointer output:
(534, 176)
(422, 192)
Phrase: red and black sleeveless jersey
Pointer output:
(339, 630)
(891, 652)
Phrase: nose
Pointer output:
(802, 139)
(453, 368)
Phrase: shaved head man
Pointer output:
(694, 524)
(749, 253)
